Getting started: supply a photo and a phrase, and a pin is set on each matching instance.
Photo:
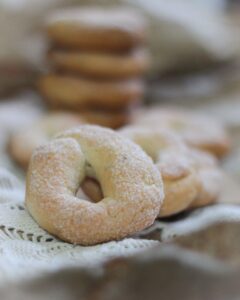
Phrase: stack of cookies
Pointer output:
(97, 59)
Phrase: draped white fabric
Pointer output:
(27, 250)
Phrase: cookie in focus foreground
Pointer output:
(131, 185)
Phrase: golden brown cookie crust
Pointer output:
(180, 180)
(131, 185)
(101, 65)
(114, 120)
(22, 143)
(98, 29)
(196, 129)
(210, 176)
(79, 93)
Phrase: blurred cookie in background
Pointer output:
(97, 59)
(197, 130)
(15, 77)
(97, 28)
(111, 119)
(101, 65)
(23, 142)
(80, 93)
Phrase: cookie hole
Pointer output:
(90, 190)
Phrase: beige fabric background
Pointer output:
(178, 37)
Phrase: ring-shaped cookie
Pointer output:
(197, 130)
(131, 185)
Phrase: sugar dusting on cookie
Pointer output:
(131, 185)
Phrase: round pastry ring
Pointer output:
(131, 185)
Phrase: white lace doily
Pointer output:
(27, 250)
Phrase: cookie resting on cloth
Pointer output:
(130, 182)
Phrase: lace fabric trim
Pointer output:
(27, 250)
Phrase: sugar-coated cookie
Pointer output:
(131, 186)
